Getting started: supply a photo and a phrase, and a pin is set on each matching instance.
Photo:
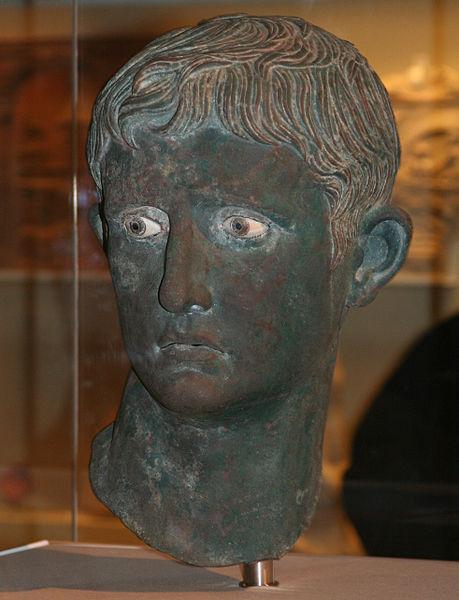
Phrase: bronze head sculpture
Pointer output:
(244, 168)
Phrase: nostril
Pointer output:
(178, 299)
(196, 308)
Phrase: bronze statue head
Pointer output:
(244, 168)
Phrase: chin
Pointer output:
(190, 393)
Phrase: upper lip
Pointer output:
(189, 340)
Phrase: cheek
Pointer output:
(136, 276)
(247, 279)
(252, 294)
(134, 268)
(125, 273)
(283, 298)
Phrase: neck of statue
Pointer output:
(207, 491)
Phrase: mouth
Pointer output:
(190, 347)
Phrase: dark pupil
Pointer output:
(137, 227)
(239, 226)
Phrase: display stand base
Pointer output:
(62, 571)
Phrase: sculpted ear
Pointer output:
(95, 221)
(383, 241)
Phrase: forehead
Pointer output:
(208, 163)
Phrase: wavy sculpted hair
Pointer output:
(272, 80)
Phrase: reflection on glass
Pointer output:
(35, 277)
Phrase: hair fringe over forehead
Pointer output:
(272, 80)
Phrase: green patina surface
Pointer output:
(238, 233)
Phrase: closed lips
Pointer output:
(189, 345)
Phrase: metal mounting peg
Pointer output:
(259, 573)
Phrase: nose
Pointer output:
(184, 286)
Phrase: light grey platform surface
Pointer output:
(63, 571)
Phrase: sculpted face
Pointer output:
(219, 250)
(245, 168)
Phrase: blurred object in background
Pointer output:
(426, 104)
(36, 324)
(402, 489)
(15, 484)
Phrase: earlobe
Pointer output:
(383, 241)
(95, 220)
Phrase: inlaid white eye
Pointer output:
(244, 227)
(141, 227)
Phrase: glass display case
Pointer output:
(390, 468)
